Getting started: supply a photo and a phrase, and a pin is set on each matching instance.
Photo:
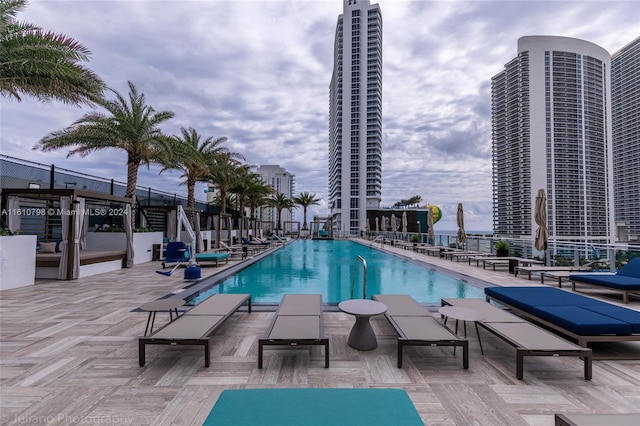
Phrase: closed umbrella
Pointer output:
(377, 225)
(394, 228)
(542, 233)
(404, 223)
(462, 235)
(368, 227)
(432, 234)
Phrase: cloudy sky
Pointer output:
(258, 72)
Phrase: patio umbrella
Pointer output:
(462, 235)
(393, 223)
(432, 234)
(377, 225)
(368, 227)
(404, 223)
(542, 233)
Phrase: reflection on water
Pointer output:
(329, 268)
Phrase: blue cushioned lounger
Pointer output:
(626, 280)
(580, 317)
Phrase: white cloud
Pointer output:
(258, 72)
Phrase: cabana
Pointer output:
(64, 215)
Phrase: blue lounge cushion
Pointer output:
(631, 269)
(211, 256)
(618, 312)
(620, 282)
(582, 321)
(526, 298)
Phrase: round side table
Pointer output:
(460, 313)
(161, 305)
(362, 336)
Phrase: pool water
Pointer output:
(329, 267)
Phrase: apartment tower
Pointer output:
(282, 182)
(551, 129)
(355, 116)
(625, 90)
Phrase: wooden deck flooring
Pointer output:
(69, 355)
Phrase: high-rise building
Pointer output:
(551, 129)
(625, 98)
(355, 116)
(283, 183)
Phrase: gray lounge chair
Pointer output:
(415, 326)
(528, 339)
(297, 322)
(580, 419)
(197, 326)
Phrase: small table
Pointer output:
(362, 336)
(161, 305)
(463, 314)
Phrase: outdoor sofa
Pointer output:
(626, 280)
(415, 326)
(297, 322)
(197, 326)
(579, 317)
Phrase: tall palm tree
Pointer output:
(245, 181)
(222, 175)
(306, 199)
(256, 196)
(192, 155)
(43, 64)
(280, 202)
(129, 125)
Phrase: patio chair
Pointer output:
(415, 326)
(197, 326)
(297, 322)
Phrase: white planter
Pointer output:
(143, 245)
(17, 261)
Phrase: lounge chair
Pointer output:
(581, 419)
(579, 317)
(626, 280)
(415, 326)
(528, 339)
(197, 326)
(247, 241)
(212, 257)
(297, 322)
(540, 269)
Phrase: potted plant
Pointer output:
(502, 248)
(415, 239)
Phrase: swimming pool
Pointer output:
(327, 268)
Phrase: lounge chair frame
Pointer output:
(497, 317)
(289, 300)
(582, 340)
(217, 319)
(405, 340)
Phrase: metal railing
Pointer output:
(364, 276)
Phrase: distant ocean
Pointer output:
(455, 232)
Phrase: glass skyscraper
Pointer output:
(551, 129)
(355, 116)
(625, 89)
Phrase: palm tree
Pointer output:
(241, 187)
(131, 126)
(222, 175)
(43, 64)
(280, 202)
(192, 156)
(306, 199)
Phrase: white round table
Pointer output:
(362, 336)
(463, 314)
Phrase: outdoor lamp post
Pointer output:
(419, 233)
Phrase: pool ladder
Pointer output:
(364, 276)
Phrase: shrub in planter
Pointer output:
(502, 248)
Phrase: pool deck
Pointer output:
(69, 355)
